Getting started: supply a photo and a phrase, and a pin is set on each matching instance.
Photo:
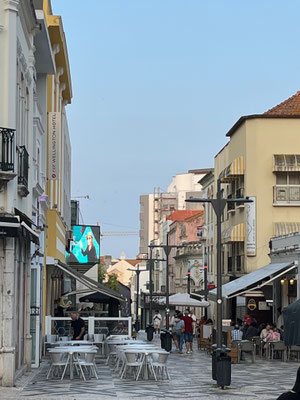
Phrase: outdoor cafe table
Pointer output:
(124, 341)
(72, 343)
(71, 350)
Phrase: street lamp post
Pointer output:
(167, 249)
(137, 271)
(219, 205)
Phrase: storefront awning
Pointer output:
(236, 168)
(235, 233)
(286, 228)
(88, 282)
(12, 227)
(253, 281)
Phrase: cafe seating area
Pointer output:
(252, 349)
(128, 358)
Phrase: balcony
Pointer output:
(286, 195)
(7, 137)
(23, 166)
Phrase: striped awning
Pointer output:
(235, 233)
(285, 228)
(236, 168)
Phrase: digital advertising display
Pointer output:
(84, 246)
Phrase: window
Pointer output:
(236, 255)
(286, 161)
(288, 178)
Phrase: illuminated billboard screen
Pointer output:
(85, 245)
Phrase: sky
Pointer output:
(156, 86)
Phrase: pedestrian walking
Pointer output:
(293, 394)
(188, 332)
(173, 322)
(179, 330)
(157, 321)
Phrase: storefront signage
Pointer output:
(53, 144)
(263, 306)
(251, 304)
(251, 227)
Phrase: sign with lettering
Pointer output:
(53, 144)
(251, 227)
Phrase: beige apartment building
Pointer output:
(260, 161)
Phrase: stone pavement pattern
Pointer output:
(191, 379)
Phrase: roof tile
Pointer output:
(291, 106)
(180, 215)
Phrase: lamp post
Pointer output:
(137, 271)
(167, 249)
(219, 205)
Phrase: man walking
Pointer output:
(188, 333)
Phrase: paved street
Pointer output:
(190, 374)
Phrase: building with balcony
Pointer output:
(260, 161)
(26, 60)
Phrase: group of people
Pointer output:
(249, 329)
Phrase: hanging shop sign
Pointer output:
(251, 304)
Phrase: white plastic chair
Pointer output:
(58, 361)
(87, 361)
(112, 352)
(132, 361)
(159, 363)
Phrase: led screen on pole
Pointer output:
(85, 245)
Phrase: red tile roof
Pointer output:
(291, 106)
(133, 262)
(180, 215)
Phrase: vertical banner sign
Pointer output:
(251, 227)
(53, 147)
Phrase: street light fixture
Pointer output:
(219, 205)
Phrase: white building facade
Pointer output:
(27, 60)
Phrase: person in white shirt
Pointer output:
(157, 321)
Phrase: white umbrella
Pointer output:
(185, 300)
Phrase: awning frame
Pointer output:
(254, 280)
(88, 282)
(263, 284)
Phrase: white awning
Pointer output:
(254, 280)
(88, 282)
(185, 300)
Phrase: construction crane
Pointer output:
(119, 233)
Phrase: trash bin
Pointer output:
(223, 370)
(150, 331)
(215, 361)
(166, 339)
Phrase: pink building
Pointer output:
(186, 224)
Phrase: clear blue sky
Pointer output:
(156, 86)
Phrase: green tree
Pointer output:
(112, 282)
(101, 273)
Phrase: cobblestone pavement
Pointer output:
(190, 379)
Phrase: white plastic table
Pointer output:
(71, 350)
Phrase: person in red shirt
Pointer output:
(188, 333)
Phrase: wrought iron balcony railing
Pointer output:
(23, 166)
(7, 149)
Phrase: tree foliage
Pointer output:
(110, 281)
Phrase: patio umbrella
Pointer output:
(185, 300)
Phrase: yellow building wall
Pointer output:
(258, 140)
